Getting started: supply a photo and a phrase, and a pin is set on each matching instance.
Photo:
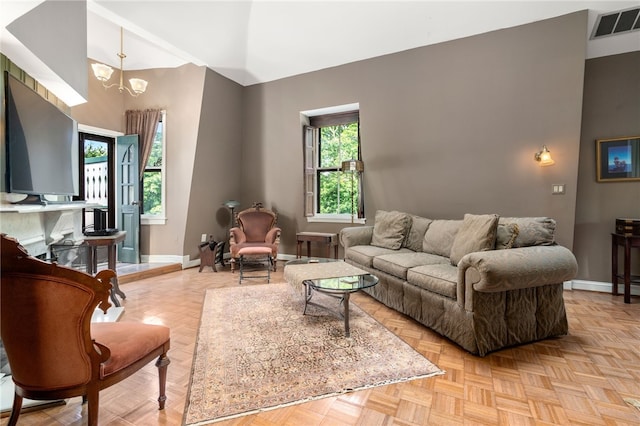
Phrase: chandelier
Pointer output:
(103, 73)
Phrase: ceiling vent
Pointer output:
(622, 21)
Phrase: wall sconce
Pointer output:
(544, 157)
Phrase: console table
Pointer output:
(318, 237)
(627, 241)
(110, 242)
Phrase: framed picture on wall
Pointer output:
(618, 159)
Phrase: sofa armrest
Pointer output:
(502, 270)
(356, 236)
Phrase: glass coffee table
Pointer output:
(340, 288)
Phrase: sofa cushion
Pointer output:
(506, 235)
(532, 231)
(419, 226)
(477, 233)
(441, 278)
(397, 264)
(439, 237)
(390, 229)
(363, 255)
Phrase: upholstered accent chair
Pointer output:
(256, 227)
(54, 350)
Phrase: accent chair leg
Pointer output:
(162, 363)
(93, 405)
(15, 410)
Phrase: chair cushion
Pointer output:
(256, 224)
(254, 251)
(397, 264)
(441, 278)
(363, 255)
(127, 341)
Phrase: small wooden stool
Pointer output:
(257, 254)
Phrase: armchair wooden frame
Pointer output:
(53, 349)
(256, 228)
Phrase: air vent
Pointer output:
(614, 23)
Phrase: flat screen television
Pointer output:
(42, 156)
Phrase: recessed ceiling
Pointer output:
(262, 40)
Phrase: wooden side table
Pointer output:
(317, 237)
(110, 241)
(626, 241)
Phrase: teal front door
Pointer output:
(127, 197)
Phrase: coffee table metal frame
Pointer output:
(340, 288)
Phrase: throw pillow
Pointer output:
(419, 226)
(439, 236)
(477, 233)
(506, 235)
(390, 229)
(532, 231)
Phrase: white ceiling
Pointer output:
(253, 41)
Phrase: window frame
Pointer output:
(161, 218)
(312, 122)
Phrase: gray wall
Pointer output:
(611, 109)
(446, 129)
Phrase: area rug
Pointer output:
(256, 351)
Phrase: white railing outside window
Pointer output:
(96, 180)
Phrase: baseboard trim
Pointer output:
(599, 286)
(166, 258)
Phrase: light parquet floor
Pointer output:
(580, 379)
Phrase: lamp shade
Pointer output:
(544, 157)
(138, 85)
(352, 166)
(231, 204)
(102, 72)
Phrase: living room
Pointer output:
(446, 129)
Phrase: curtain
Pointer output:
(144, 124)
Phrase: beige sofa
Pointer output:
(485, 282)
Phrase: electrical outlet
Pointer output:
(557, 189)
(203, 239)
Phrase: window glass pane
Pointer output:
(328, 192)
(338, 143)
(152, 192)
(155, 158)
(335, 192)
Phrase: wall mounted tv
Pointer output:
(41, 145)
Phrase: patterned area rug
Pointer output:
(256, 351)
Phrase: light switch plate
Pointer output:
(557, 189)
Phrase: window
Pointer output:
(330, 193)
(153, 180)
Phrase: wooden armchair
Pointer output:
(256, 228)
(54, 350)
